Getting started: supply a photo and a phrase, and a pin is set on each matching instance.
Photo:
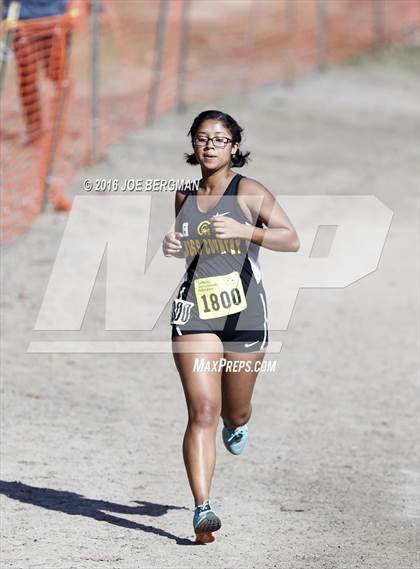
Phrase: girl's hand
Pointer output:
(224, 227)
(171, 244)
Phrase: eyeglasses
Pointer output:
(218, 141)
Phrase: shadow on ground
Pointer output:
(77, 505)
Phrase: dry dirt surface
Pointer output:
(92, 473)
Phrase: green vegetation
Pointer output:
(397, 56)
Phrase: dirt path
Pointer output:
(92, 471)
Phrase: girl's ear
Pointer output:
(234, 148)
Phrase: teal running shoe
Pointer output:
(205, 522)
(235, 439)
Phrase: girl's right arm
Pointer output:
(172, 245)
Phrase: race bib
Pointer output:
(219, 295)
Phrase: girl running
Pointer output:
(220, 313)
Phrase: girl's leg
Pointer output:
(237, 389)
(203, 397)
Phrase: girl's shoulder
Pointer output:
(185, 190)
(250, 187)
(251, 197)
(188, 187)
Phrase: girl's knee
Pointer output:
(204, 415)
(234, 418)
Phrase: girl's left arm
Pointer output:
(279, 233)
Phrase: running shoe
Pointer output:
(205, 522)
(235, 439)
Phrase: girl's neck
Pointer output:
(213, 181)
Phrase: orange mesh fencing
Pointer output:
(156, 57)
(34, 99)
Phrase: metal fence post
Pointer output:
(157, 61)
(11, 22)
(95, 8)
(250, 48)
(378, 23)
(289, 29)
(321, 34)
(63, 89)
(183, 58)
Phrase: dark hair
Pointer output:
(239, 159)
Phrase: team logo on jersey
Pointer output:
(185, 229)
(204, 228)
(181, 311)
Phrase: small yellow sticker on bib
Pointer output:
(219, 295)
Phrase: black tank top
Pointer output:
(208, 256)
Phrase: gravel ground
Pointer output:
(92, 471)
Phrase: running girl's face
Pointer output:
(210, 153)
